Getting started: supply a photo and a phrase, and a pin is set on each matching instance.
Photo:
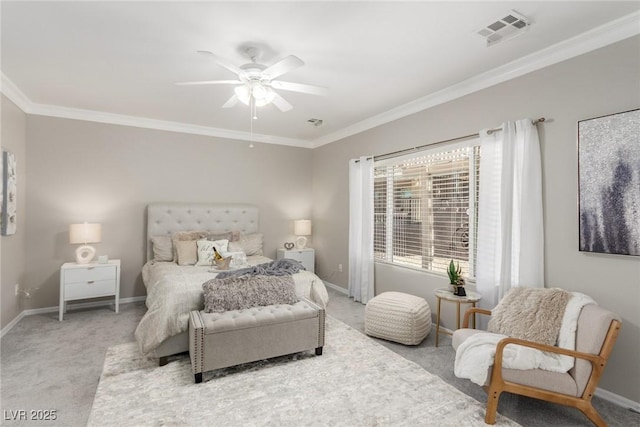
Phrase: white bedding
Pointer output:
(173, 291)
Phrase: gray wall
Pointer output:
(13, 248)
(598, 83)
(84, 171)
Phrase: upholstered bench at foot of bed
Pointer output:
(219, 340)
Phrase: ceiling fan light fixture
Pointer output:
(243, 94)
(262, 95)
(259, 92)
(256, 85)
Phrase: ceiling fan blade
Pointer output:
(283, 66)
(299, 87)
(281, 103)
(223, 62)
(210, 82)
(231, 102)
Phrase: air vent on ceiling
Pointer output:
(508, 27)
(315, 122)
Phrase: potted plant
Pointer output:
(455, 279)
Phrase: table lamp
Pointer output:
(82, 234)
(302, 228)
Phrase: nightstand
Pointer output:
(306, 256)
(94, 280)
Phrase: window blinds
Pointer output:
(425, 209)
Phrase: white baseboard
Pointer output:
(11, 324)
(618, 400)
(336, 287)
(55, 309)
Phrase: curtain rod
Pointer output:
(419, 147)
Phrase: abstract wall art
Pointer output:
(609, 183)
(9, 194)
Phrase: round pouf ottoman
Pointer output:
(399, 317)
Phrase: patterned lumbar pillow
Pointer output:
(205, 250)
(240, 292)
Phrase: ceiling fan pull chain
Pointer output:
(251, 121)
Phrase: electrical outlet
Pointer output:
(17, 289)
(340, 268)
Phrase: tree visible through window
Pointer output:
(425, 209)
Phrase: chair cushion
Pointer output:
(546, 380)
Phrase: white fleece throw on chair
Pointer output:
(475, 355)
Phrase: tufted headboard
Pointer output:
(167, 218)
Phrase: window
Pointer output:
(425, 209)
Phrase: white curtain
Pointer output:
(510, 230)
(361, 229)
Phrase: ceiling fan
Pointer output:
(256, 82)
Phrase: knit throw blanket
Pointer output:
(238, 293)
(281, 267)
(532, 314)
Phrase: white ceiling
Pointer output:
(85, 59)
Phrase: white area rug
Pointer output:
(356, 382)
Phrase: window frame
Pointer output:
(473, 175)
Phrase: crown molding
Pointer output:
(12, 92)
(611, 32)
(601, 36)
(142, 122)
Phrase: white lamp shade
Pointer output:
(85, 233)
(302, 227)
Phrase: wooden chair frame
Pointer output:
(498, 385)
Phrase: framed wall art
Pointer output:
(9, 194)
(609, 183)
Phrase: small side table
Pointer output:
(306, 256)
(93, 280)
(447, 295)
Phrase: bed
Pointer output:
(174, 290)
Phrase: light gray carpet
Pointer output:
(356, 382)
(46, 364)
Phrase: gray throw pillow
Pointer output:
(237, 293)
(162, 248)
(250, 244)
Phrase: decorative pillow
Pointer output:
(232, 236)
(185, 236)
(229, 235)
(162, 248)
(240, 292)
(205, 250)
(250, 244)
(187, 252)
(532, 314)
